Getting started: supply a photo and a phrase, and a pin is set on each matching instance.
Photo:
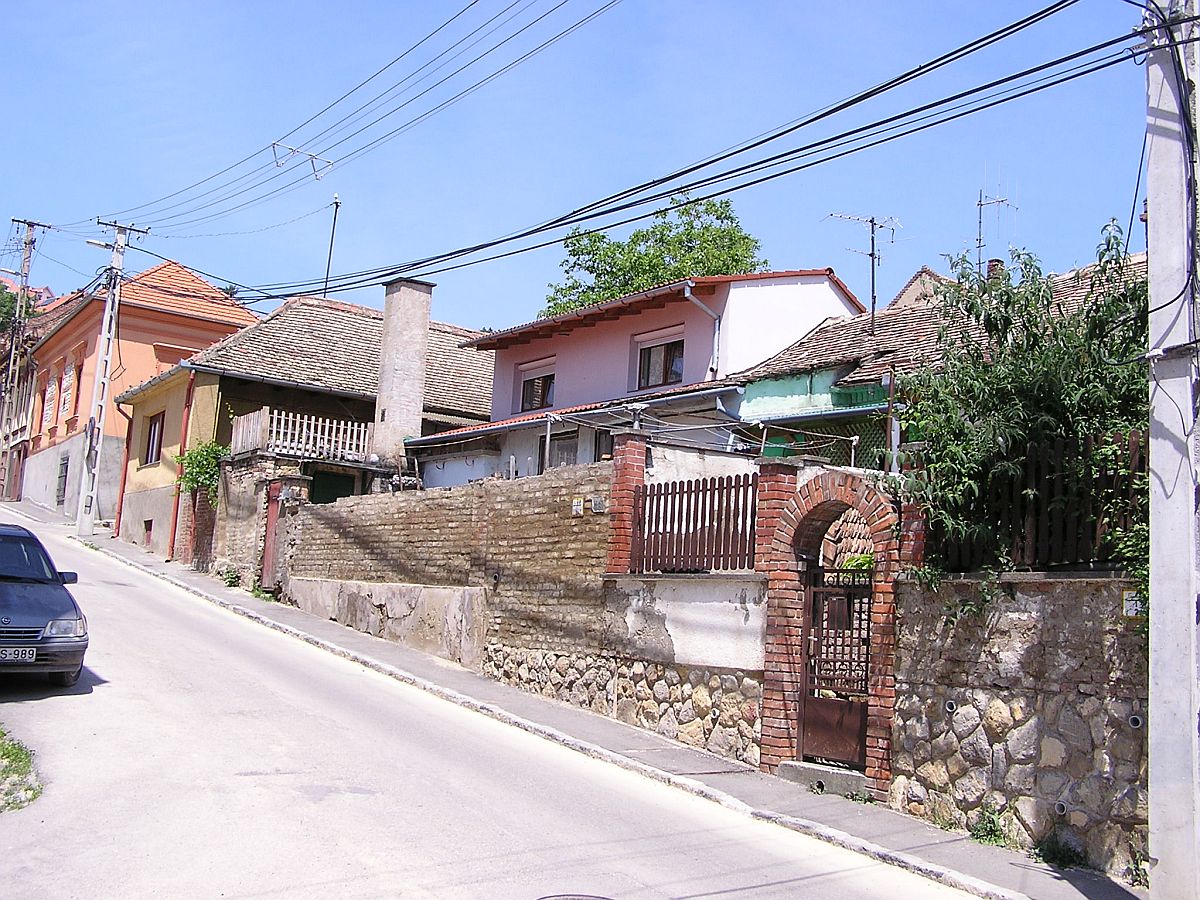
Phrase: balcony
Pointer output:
(299, 435)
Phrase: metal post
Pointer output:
(337, 204)
(85, 519)
(1174, 746)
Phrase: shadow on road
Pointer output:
(35, 686)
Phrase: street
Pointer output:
(203, 755)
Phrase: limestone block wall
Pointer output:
(1037, 709)
(717, 710)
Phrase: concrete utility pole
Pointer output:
(16, 334)
(1174, 741)
(85, 520)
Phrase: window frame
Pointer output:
(528, 398)
(561, 437)
(667, 372)
(152, 445)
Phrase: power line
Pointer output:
(357, 279)
(357, 87)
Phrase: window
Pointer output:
(604, 445)
(660, 364)
(154, 435)
(537, 392)
(563, 450)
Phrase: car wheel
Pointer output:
(65, 679)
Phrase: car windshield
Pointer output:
(24, 560)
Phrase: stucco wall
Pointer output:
(450, 622)
(40, 479)
(666, 462)
(1023, 708)
(153, 504)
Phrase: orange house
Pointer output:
(167, 313)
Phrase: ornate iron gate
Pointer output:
(833, 711)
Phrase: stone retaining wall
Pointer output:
(1026, 709)
(715, 709)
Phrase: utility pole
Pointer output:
(981, 203)
(1174, 742)
(874, 225)
(85, 520)
(16, 339)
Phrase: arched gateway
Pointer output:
(829, 685)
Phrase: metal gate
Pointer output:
(833, 705)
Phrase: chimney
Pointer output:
(995, 269)
(401, 398)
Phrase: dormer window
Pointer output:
(537, 384)
(660, 364)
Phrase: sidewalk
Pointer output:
(872, 829)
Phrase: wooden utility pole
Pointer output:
(85, 519)
(1174, 742)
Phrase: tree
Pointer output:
(8, 308)
(683, 241)
(1020, 366)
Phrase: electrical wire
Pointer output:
(308, 121)
(374, 144)
(351, 281)
(306, 215)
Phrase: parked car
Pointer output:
(42, 628)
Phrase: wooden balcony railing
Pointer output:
(301, 435)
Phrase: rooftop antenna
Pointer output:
(985, 200)
(874, 224)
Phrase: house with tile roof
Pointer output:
(831, 394)
(167, 313)
(299, 385)
(661, 356)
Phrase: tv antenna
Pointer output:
(874, 223)
(985, 200)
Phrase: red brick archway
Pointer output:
(795, 509)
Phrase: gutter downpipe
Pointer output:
(183, 430)
(716, 347)
(124, 471)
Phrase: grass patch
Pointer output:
(19, 785)
(989, 829)
(861, 796)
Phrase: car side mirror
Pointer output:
(68, 577)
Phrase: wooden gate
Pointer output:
(833, 704)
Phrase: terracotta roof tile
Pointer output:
(905, 336)
(335, 346)
(632, 302)
(172, 288)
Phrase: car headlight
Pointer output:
(66, 628)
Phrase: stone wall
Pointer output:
(242, 512)
(715, 709)
(1036, 709)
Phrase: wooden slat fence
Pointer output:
(1053, 507)
(248, 431)
(700, 525)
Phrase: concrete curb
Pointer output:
(845, 840)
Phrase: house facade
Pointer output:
(167, 313)
(299, 386)
(659, 357)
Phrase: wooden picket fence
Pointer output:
(298, 434)
(699, 525)
(1055, 510)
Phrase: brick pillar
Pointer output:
(629, 472)
(783, 677)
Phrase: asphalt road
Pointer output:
(202, 755)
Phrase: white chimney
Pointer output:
(401, 398)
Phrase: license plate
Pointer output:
(18, 654)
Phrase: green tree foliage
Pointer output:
(682, 242)
(200, 468)
(8, 308)
(1019, 366)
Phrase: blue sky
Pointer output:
(109, 109)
